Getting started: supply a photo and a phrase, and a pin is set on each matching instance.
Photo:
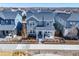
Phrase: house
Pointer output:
(73, 20)
(67, 22)
(61, 21)
(40, 25)
(8, 23)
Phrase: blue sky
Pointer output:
(39, 4)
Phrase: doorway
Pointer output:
(40, 35)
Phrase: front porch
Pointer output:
(7, 30)
(42, 34)
(5, 33)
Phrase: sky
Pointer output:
(39, 4)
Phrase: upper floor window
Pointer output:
(12, 22)
(2, 22)
(47, 23)
(41, 23)
(72, 23)
(47, 33)
(32, 31)
(31, 23)
(7, 22)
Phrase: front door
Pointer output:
(40, 35)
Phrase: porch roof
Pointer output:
(7, 27)
(45, 28)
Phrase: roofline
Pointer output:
(33, 17)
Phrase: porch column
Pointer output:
(5, 32)
(36, 35)
(43, 35)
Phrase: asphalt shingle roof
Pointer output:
(7, 27)
(42, 15)
(64, 16)
(74, 17)
(9, 14)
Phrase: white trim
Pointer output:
(33, 17)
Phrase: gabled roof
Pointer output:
(8, 14)
(19, 12)
(32, 17)
(68, 17)
(63, 16)
(42, 15)
(74, 17)
(2, 15)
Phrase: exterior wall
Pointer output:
(9, 22)
(1, 34)
(31, 25)
(49, 23)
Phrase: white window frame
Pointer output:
(31, 23)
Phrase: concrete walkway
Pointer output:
(38, 47)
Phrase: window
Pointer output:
(40, 23)
(32, 31)
(32, 23)
(7, 22)
(72, 23)
(2, 22)
(12, 22)
(7, 32)
(47, 23)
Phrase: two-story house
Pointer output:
(8, 22)
(40, 25)
(66, 22)
(60, 21)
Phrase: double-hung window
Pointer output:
(12, 22)
(2, 22)
(7, 22)
(32, 23)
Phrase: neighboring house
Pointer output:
(40, 25)
(8, 23)
(61, 21)
(67, 22)
(73, 20)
